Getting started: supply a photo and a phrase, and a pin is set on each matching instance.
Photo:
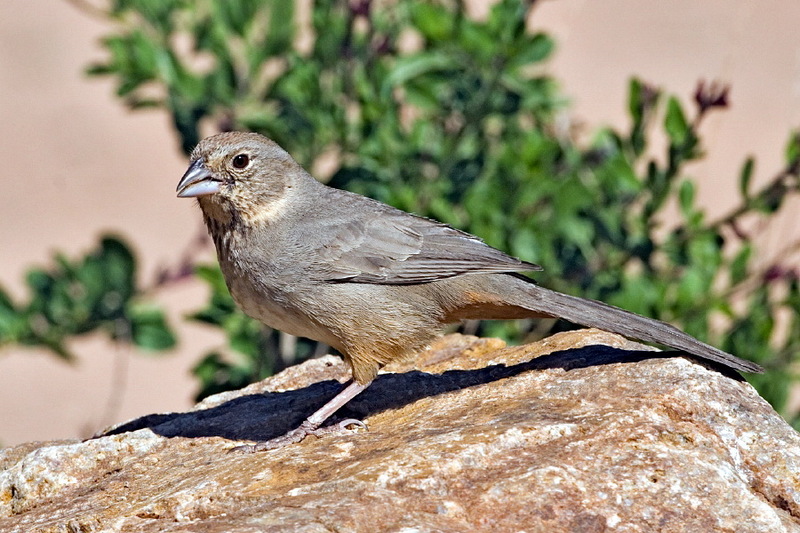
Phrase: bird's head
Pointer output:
(242, 176)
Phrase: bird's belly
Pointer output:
(274, 306)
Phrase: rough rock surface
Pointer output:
(599, 435)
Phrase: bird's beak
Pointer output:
(198, 181)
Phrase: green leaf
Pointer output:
(149, 329)
(692, 287)
(243, 334)
(534, 49)
(793, 150)
(212, 275)
(740, 263)
(118, 265)
(218, 375)
(525, 244)
(221, 305)
(642, 99)
(507, 20)
(12, 321)
(686, 198)
(281, 26)
(675, 122)
(38, 280)
(477, 39)
(410, 67)
(423, 95)
(432, 21)
(745, 176)
(635, 105)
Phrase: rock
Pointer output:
(599, 435)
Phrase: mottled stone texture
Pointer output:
(599, 435)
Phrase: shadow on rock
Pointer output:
(265, 416)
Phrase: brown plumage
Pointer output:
(374, 282)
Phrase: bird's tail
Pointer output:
(596, 314)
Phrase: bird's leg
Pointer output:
(311, 425)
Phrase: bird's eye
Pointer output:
(241, 161)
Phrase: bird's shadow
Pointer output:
(262, 417)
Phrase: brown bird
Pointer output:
(374, 282)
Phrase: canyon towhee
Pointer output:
(372, 281)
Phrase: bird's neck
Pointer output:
(225, 224)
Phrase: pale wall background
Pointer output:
(75, 164)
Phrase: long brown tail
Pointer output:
(596, 314)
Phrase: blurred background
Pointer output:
(80, 163)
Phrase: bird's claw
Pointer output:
(298, 434)
(342, 426)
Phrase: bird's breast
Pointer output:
(269, 292)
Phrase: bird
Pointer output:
(374, 282)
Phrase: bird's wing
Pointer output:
(395, 248)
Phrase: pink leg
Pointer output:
(312, 423)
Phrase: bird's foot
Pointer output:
(296, 435)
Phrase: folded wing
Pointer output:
(399, 249)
